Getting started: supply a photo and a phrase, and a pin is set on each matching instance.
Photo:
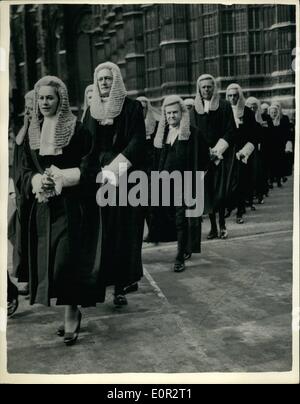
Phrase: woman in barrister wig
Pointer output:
(18, 224)
(151, 117)
(214, 118)
(262, 154)
(182, 148)
(279, 136)
(245, 144)
(119, 141)
(59, 230)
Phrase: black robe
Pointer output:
(279, 135)
(121, 261)
(62, 245)
(221, 181)
(247, 173)
(166, 221)
(18, 224)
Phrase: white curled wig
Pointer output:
(152, 116)
(241, 101)
(184, 128)
(89, 88)
(276, 121)
(66, 121)
(107, 113)
(189, 102)
(214, 102)
(278, 104)
(264, 105)
(21, 134)
(29, 95)
(253, 100)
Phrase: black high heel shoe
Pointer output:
(120, 300)
(70, 338)
(61, 330)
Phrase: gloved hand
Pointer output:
(112, 172)
(289, 147)
(66, 177)
(107, 176)
(245, 152)
(216, 152)
(42, 187)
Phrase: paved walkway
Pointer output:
(229, 311)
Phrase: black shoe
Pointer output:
(61, 330)
(179, 266)
(146, 239)
(187, 256)
(12, 306)
(24, 291)
(223, 234)
(120, 300)
(70, 338)
(284, 179)
(239, 220)
(131, 288)
(212, 234)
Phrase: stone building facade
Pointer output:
(160, 48)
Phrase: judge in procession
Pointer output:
(280, 137)
(59, 230)
(245, 145)
(214, 119)
(118, 134)
(18, 224)
(262, 153)
(181, 149)
(151, 117)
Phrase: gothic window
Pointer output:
(240, 20)
(268, 63)
(283, 14)
(84, 53)
(241, 65)
(210, 24)
(254, 22)
(228, 66)
(228, 44)
(241, 43)
(255, 42)
(210, 66)
(255, 64)
(227, 21)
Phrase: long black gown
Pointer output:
(122, 236)
(63, 248)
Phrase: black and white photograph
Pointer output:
(150, 191)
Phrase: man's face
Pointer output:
(173, 115)
(28, 108)
(105, 80)
(273, 113)
(233, 96)
(206, 89)
(264, 110)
